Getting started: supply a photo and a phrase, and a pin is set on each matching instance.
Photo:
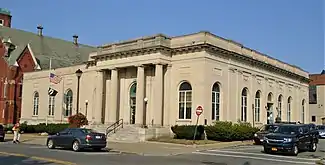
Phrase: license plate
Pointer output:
(98, 137)
(274, 149)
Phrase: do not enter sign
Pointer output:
(199, 110)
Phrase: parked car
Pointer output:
(321, 131)
(2, 133)
(264, 130)
(289, 138)
(77, 139)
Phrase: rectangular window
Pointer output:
(312, 94)
(185, 105)
(313, 118)
(215, 105)
(51, 105)
(2, 22)
(36, 103)
(5, 89)
(244, 109)
(257, 109)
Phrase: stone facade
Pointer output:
(317, 98)
(159, 81)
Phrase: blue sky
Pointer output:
(289, 30)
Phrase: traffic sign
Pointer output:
(199, 110)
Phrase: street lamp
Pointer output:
(78, 74)
(86, 102)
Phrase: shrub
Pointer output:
(220, 131)
(187, 132)
(77, 120)
(227, 131)
(42, 127)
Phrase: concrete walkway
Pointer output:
(141, 148)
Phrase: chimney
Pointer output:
(40, 30)
(75, 39)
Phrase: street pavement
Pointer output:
(253, 154)
(23, 154)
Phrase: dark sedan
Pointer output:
(2, 133)
(77, 139)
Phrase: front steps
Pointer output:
(132, 133)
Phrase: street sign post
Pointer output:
(198, 111)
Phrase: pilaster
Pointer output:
(140, 114)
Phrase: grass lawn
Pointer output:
(167, 139)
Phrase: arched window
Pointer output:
(280, 106)
(68, 103)
(51, 105)
(257, 106)
(289, 109)
(36, 103)
(303, 111)
(185, 101)
(244, 105)
(216, 102)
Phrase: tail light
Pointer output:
(88, 137)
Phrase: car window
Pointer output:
(321, 127)
(270, 128)
(87, 131)
(287, 130)
(65, 131)
(306, 129)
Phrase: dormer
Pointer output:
(9, 47)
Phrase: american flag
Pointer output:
(54, 78)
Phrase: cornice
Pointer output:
(197, 48)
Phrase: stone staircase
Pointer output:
(129, 133)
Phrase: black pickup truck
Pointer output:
(291, 139)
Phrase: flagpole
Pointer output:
(50, 85)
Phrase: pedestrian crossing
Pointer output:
(249, 153)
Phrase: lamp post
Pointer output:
(86, 102)
(78, 74)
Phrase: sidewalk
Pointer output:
(141, 148)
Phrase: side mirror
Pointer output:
(58, 134)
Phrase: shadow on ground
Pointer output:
(105, 150)
(14, 160)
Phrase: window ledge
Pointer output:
(35, 116)
(49, 116)
(184, 120)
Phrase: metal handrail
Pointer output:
(115, 125)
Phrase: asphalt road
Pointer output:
(24, 154)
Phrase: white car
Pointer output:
(321, 130)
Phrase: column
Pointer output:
(112, 111)
(158, 95)
(99, 97)
(140, 114)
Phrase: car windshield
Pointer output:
(88, 131)
(269, 128)
(321, 127)
(286, 130)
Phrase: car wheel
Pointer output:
(295, 150)
(76, 146)
(313, 147)
(50, 144)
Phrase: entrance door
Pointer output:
(270, 115)
(133, 90)
(132, 110)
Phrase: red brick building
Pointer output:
(22, 51)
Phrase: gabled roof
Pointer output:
(63, 53)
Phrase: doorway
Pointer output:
(269, 112)
(133, 90)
